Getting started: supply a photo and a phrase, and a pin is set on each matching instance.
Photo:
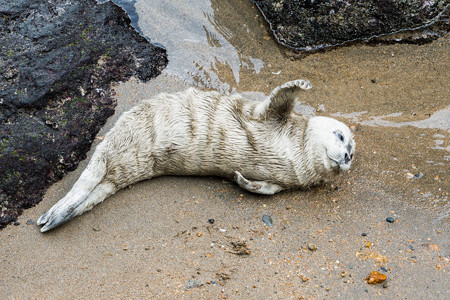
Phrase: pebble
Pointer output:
(267, 220)
(211, 221)
(390, 219)
(192, 283)
(16, 223)
(375, 277)
(312, 247)
(364, 234)
(30, 222)
(415, 176)
(383, 269)
(409, 175)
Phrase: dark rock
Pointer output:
(267, 220)
(211, 221)
(30, 222)
(312, 25)
(364, 234)
(57, 61)
(383, 269)
(390, 220)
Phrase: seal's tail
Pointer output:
(86, 192)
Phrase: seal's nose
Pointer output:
(347, 158)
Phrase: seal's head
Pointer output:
(333, 143)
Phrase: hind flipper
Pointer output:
(281, 101)
(259, 187)
(89, 179)
(64, 211)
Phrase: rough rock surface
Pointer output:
(57, 61)
(313, 25)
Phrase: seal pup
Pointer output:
(263, 146)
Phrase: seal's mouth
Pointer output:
(339, 166)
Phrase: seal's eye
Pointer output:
(340, 137)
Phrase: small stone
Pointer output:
(390, 219)
(409, 175)
(16, 223)
(193, 283)
(353, 128)
(375, 277)
(364, 234)
(211, 221)
(312, 247)
(368, 244)
(304, 278)
(267, 220)
(383, 269)
(199, 234)
(30, 222)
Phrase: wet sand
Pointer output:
(153, 239)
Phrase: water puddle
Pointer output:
(196, 43)
(438, 120)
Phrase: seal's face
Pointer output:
(335, 141)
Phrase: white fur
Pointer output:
(263, 147)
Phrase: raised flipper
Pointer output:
(281, 101)
(259, 187)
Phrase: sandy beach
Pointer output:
(204, 237)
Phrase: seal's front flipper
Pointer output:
(281, 101)
(259, 187)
